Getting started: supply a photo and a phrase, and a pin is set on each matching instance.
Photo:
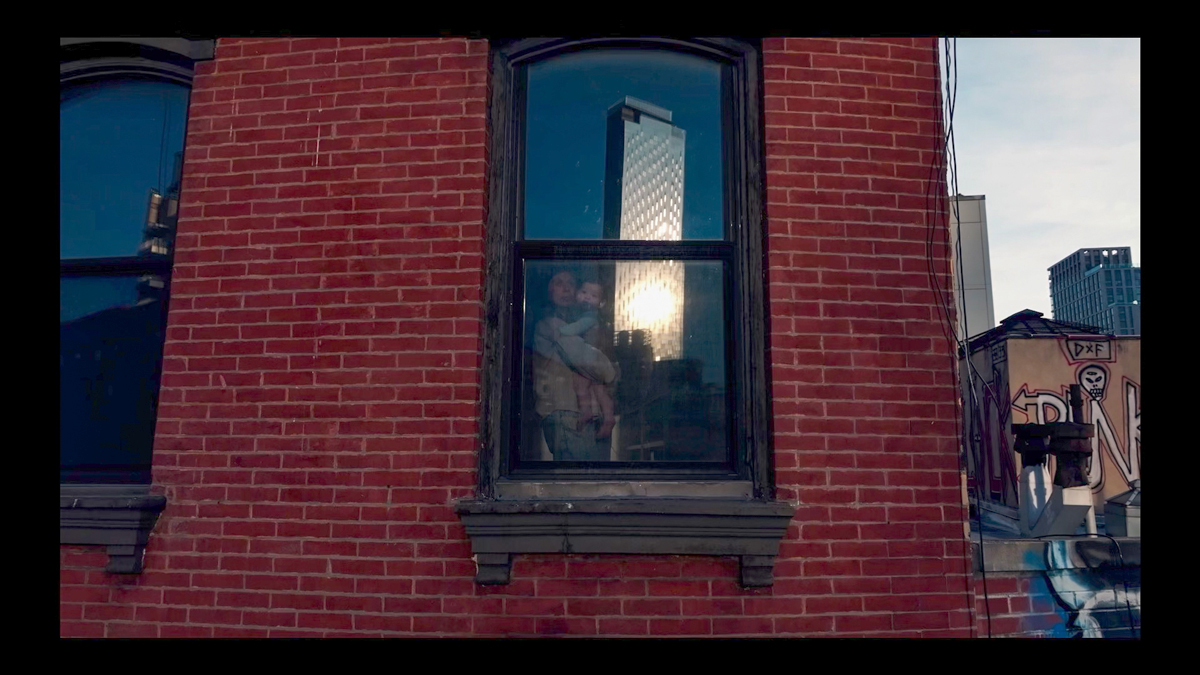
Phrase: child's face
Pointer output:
(589, 294)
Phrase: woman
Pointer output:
(556, 359)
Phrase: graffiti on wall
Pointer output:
(1096, 589)
(1117, 442)
(1029, 380)
(991, 465)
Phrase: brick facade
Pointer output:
(320, 399)
(1049, 604)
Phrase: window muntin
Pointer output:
(80, 296)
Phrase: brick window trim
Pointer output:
(119, 517)
(734, 517)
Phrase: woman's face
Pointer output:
(562, 289)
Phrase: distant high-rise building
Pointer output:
(1098, 287)
(643, 201)
(974, 284)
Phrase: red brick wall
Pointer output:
(1018, 605)
(319, 406)
(863, 390)
(1060, 603)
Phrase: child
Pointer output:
(589, 392)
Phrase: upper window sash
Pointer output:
(623, 144)
(737, 63)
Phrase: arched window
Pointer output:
(121, 134)
(122, 123)
(624, 351)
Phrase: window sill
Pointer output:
(749, 529)
(119, 517)
(1055, 553)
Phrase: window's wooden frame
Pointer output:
(649, 511)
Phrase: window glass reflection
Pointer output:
(624, 361)
(624, 144)
(109, 365)
(80, 296)
(118, 140)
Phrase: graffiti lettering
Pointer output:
(1104, 436)
(993, 466)
(999, 353)
(1052, 407)
(1133, 424)
(1088, 350)
(1029, 382)
(1040, 401)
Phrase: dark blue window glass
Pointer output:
(81, 296)
(109, 365)
(673, 112)
(118, 140)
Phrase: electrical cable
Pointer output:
(931, 228)
(945, 149)
(951, 47)
(977, 410)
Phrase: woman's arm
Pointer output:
(579, 327)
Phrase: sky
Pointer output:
(1049, 130)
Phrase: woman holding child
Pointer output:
(571, 374)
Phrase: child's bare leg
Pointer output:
(583, 393)
(606, 410)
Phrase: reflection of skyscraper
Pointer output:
(158, 233)
(643, 200)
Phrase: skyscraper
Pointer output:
(643, 200)
(1098, 287)
(974, 285)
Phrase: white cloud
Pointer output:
(1050, 131)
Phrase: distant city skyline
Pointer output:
(1098, 287)
(1049, 130)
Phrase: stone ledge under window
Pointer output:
(116, 517)
(750, 530)
(1057, 553)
